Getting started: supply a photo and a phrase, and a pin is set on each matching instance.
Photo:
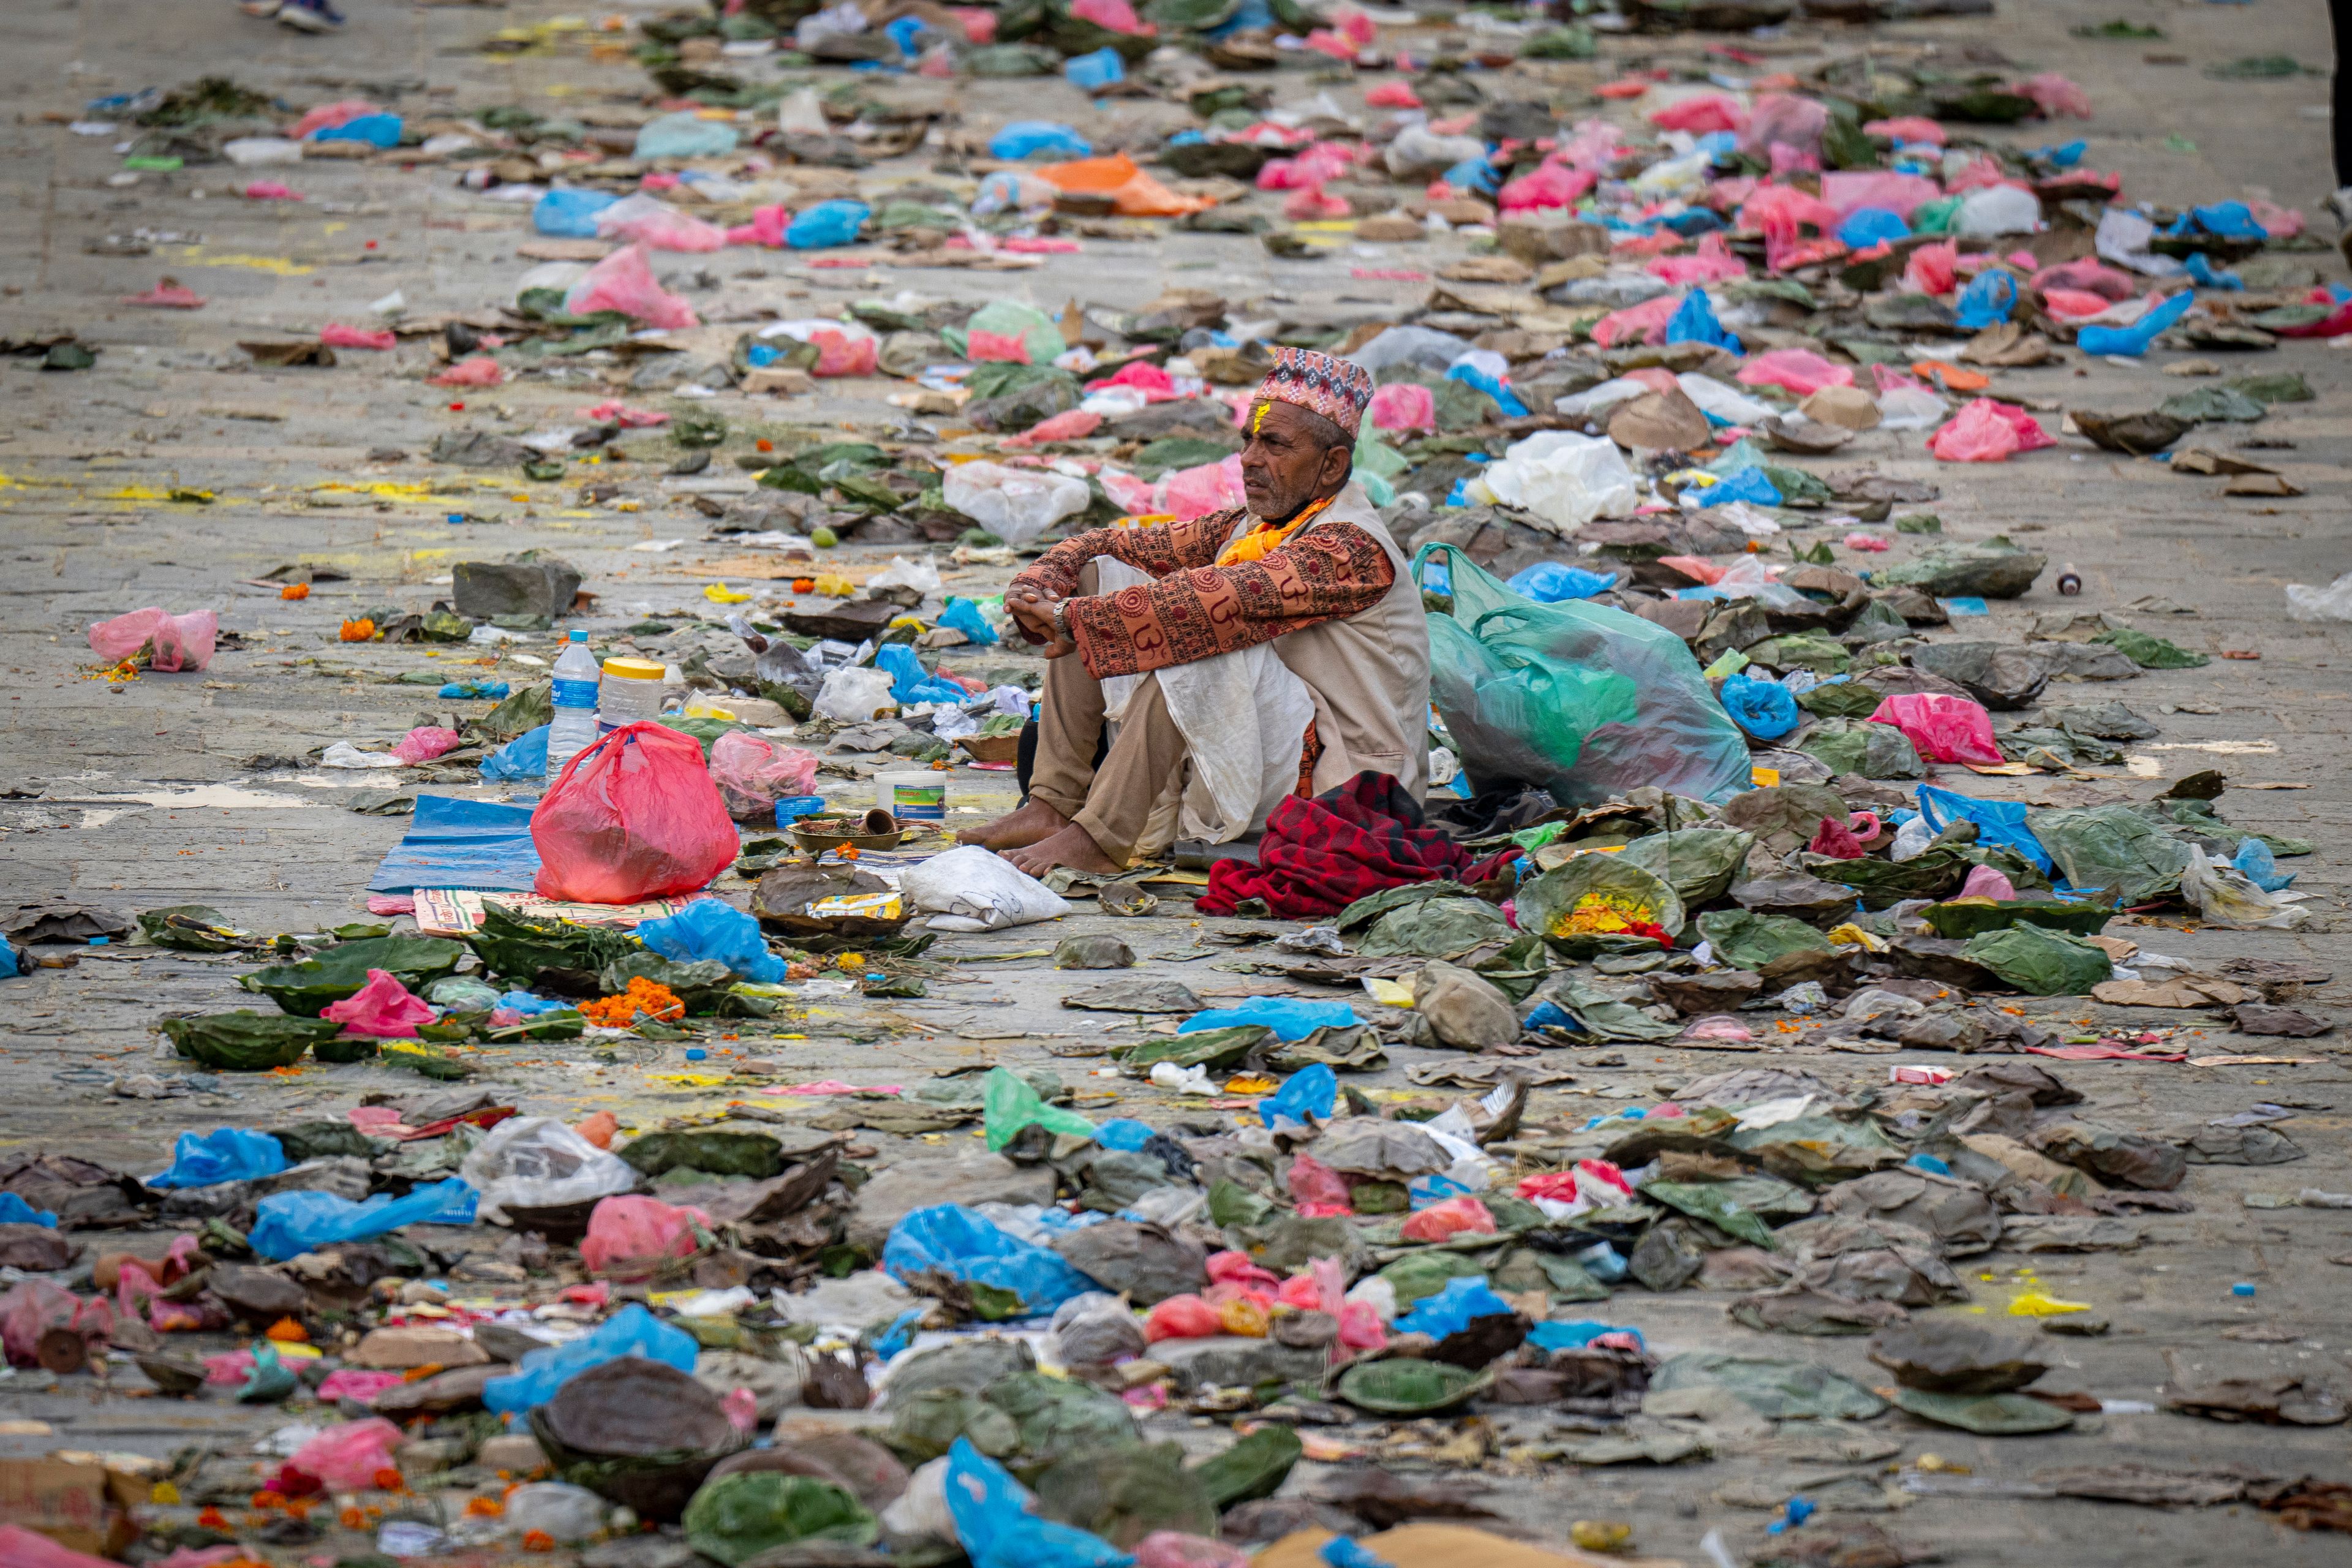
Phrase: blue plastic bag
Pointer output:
(375, 129)
(1750, 485)
(1987, 300)
(963, 615)
(227, 1154)
(827, 223)
(1999, 822)
(1472, 174)
(294, 1223)
(1558, 1336)
(1027, 138)
(910, 682)
(2229, 220)
(997, 1528)
(1500, 391)
(15, 1210)
(2064, 157)
(1765, 708)
(904, 31)
(1092, 73)
(524, 757)
(1694, 322)
(476, 690)
(1289, 1019)
(2202, 273)
(1313, 1091)
(1866, 226)
(632, 1330)
(569, 214)
(1342, 1553)
(963, 1244)
(2255, 862)
(529, 1004)
(685, 135)
(1452, 1309)
(13, 960)
(1124, 1133)
(713, 928)
(2132, 341)
(1550, 582)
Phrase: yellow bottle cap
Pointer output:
(635, 669)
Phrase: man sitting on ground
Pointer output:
(1305, 566)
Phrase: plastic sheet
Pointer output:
(655, 224)
(1550, 582)
(1564, 479)
(633, 816)
(715, 928)
(2000, 823)
(1027, 138)
(1454, 1307)
(2134, 341)
(570, 214)
(292, 1223)
(1800, 370)
(1014, 505)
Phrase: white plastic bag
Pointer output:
(536, 1162)
(562, 1512)
(1723, 400)
(1563, 478)
(971, 888)
(1998, 210)
(2229, 899)
(1595, 401)
(2333, 602)
(1014, 505)
(853, 694)
(923, 576)
(922, 1507)
(1911, 408)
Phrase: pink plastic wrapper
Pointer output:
(336, 335)
(1309, 204)
(1212, 487)
(623, 281)
(20, 1548)
(169, 296)
(615, 412)
(34, 1306)
(630, 1234)
(1312, 1181)
(1393, 95)
(1404, 405)
(1169, 1549)
(1548, 185)
(840, 354)
(2088, 276)
(423, 744)
(347, 1457)
(1181, 1318)
(753, 772)
(1911, 128)
(984, 346)
(2056, 96)
(1642, 323)
(1933, 269)
(2074, 304)
(1984, 882)
(1454, 1216)
(177, 642)
(1070, 424)
(661, 228)
(1870, 542)
(1784, 120)
(1701, 114)
(1116, 15)
(271, 190)
(1155, 384)
(480, 371)
(1847, 190)
(353, 1383)
(327, 116)
(1711, 263)
(767, 228)
(383, 1007)
(1941, 727)
(1989, 431)
(978, 23)
(1800, 370)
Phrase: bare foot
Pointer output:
(1026, 825)
(1072, 847)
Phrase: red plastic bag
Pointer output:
(1941, 727)
(752, 774)
(347, 1457)
(633, 816)
(178, 642)
(383, 1007)
(1181, 1318)
(1454, 1216)
(629, 1234)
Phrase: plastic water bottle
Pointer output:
(574, 728)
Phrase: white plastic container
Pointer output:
(912, 794)
(630, 691)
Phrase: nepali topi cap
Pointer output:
(1337, 389)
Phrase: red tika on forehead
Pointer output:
(1337, 389)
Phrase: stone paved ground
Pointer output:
(142, 795)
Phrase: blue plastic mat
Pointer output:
(456, 843)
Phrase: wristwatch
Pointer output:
(1062, 622)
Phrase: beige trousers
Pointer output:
(1114, 801)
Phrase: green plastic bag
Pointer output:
(1582, 699)
(1011, 1105)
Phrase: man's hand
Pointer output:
(1034, 613)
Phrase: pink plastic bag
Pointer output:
(1309, 204)
(20, 1548)
(423, 744)
(1404, 405)
(1800, 370)
(271, 190)
(1642, 323)
(753, 772)
(612, 410)
(1711, 263)
(657, 226)
(383, 1007)
(1989, 431)
(346, 1459)
(1234, 1268)
(631, 1235)
(176, 642)
(34, 1306)
(1392, 95)
(1116, 15)
(2089, 276)
(1181, 1318)
(1784, 120)
(1548, 185)
(2056, 96)
(1701, 114)
(623, 281)
(1847, 190)
(839, 353)
(982, 347)
(1169, 1549)
(2074, 304)
(1070, 424)
(1984, 882)
(1836, 840)
(480, 371)
(1454, 1216)
(1212, 487)
(336, 335)
(327, 116)
(633, 816)
(1914, 129)
(1311, 1181)
(1156, 385)
(1941, 727)
(767, 228)
(353, 1383)
(1932, 268)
